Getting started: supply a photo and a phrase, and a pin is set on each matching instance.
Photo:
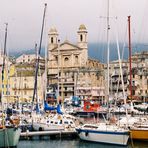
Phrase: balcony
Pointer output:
(22, 88)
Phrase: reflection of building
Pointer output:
(70, 67)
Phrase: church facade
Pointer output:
(70, 69)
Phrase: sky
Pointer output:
(24, 18)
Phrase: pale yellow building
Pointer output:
(22, 83)
(8, 71)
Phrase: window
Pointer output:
(51, 39)
(7, 93)
(25, 85)
(65, 122)
(76, 59)
(133, 92)
(66, 60)
(59, 73)
(81, 37)
(56, 58)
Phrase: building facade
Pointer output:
(70, 69)
(139, 74)
(22, 83)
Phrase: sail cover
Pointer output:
(47, 107)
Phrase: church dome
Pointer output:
(53, 30)
(82, 27)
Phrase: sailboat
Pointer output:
(54, 121)
(9, 135)
(138, 125)
(104, 132)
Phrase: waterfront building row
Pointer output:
(73, 73)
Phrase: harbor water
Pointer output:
(73, 143)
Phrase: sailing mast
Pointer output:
(39, 51)
(130, 60)
(3, 68)
(108, 52)
(4, 58)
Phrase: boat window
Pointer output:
(51, 122)
(56, 122)
(71, 122)
(65, 122)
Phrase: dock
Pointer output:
(30, 134)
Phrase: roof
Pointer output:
(82, 27)
(53, 30)
(68, 43)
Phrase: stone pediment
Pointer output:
(66, 46)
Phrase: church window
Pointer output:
(51, 39)
(25, 85)
(81, 37)
(76, 59)
(66, 60)
(56, 59)
(25, 92)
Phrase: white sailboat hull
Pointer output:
(9, 137)
(102, 136)
(46, 127)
